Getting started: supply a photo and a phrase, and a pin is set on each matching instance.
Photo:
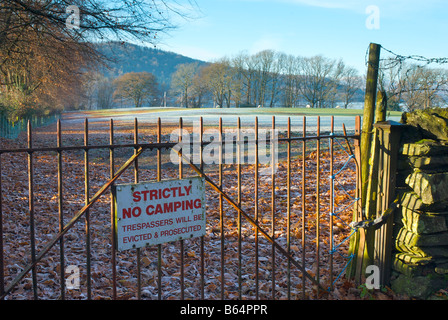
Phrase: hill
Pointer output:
(129, 57)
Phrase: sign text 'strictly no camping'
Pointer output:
(152, 213)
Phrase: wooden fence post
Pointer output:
(369, 113)
(371, 195)
(362, 244)
(389, 134)
(366, 141)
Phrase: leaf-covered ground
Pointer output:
(222, 262)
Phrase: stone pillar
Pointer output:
(420, 233)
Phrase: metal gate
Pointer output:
(276, 229)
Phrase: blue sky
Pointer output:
(333, 28)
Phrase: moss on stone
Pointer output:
(420, 287)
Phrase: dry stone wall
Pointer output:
(420, 257)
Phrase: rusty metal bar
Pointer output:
(318, 202)
(201, 166)
(60, 210)
(273, 164)
(354, 269)
(238, 155)
(331, 141)
(159, 154)
(303, 203)
(70, 224)
(288, 208)
(136, 173)
(181, 242)
(357, 153)
(221, 212)
(138, 251)
(159, 178)
(346, 139)
(256, 208)
(31, 208)
(150, 146)
(2, 257)
(112, 213)
(90, 147)
(87, 215)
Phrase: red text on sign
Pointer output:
(161, 208)
(157, 194)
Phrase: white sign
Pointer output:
(151, 213)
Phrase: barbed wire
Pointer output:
(398, 60)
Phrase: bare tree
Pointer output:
(200, 90)
(317, 80)
(137, 87)
(119, 19)
(350, 82)
(90, 82)
(40, 73)
(105, 92)
(245, 67)
(291, 77)
(418, 87)
(257, 77)
(46, 44)
(219, 78)
(390, 81)
(422, 87)
(264, 64)
(237, 65)
(182, 80)
(276, 77)
(269, 77)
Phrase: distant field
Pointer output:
(228, 111)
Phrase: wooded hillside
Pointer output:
(133, 58)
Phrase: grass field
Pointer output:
(227, 111)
